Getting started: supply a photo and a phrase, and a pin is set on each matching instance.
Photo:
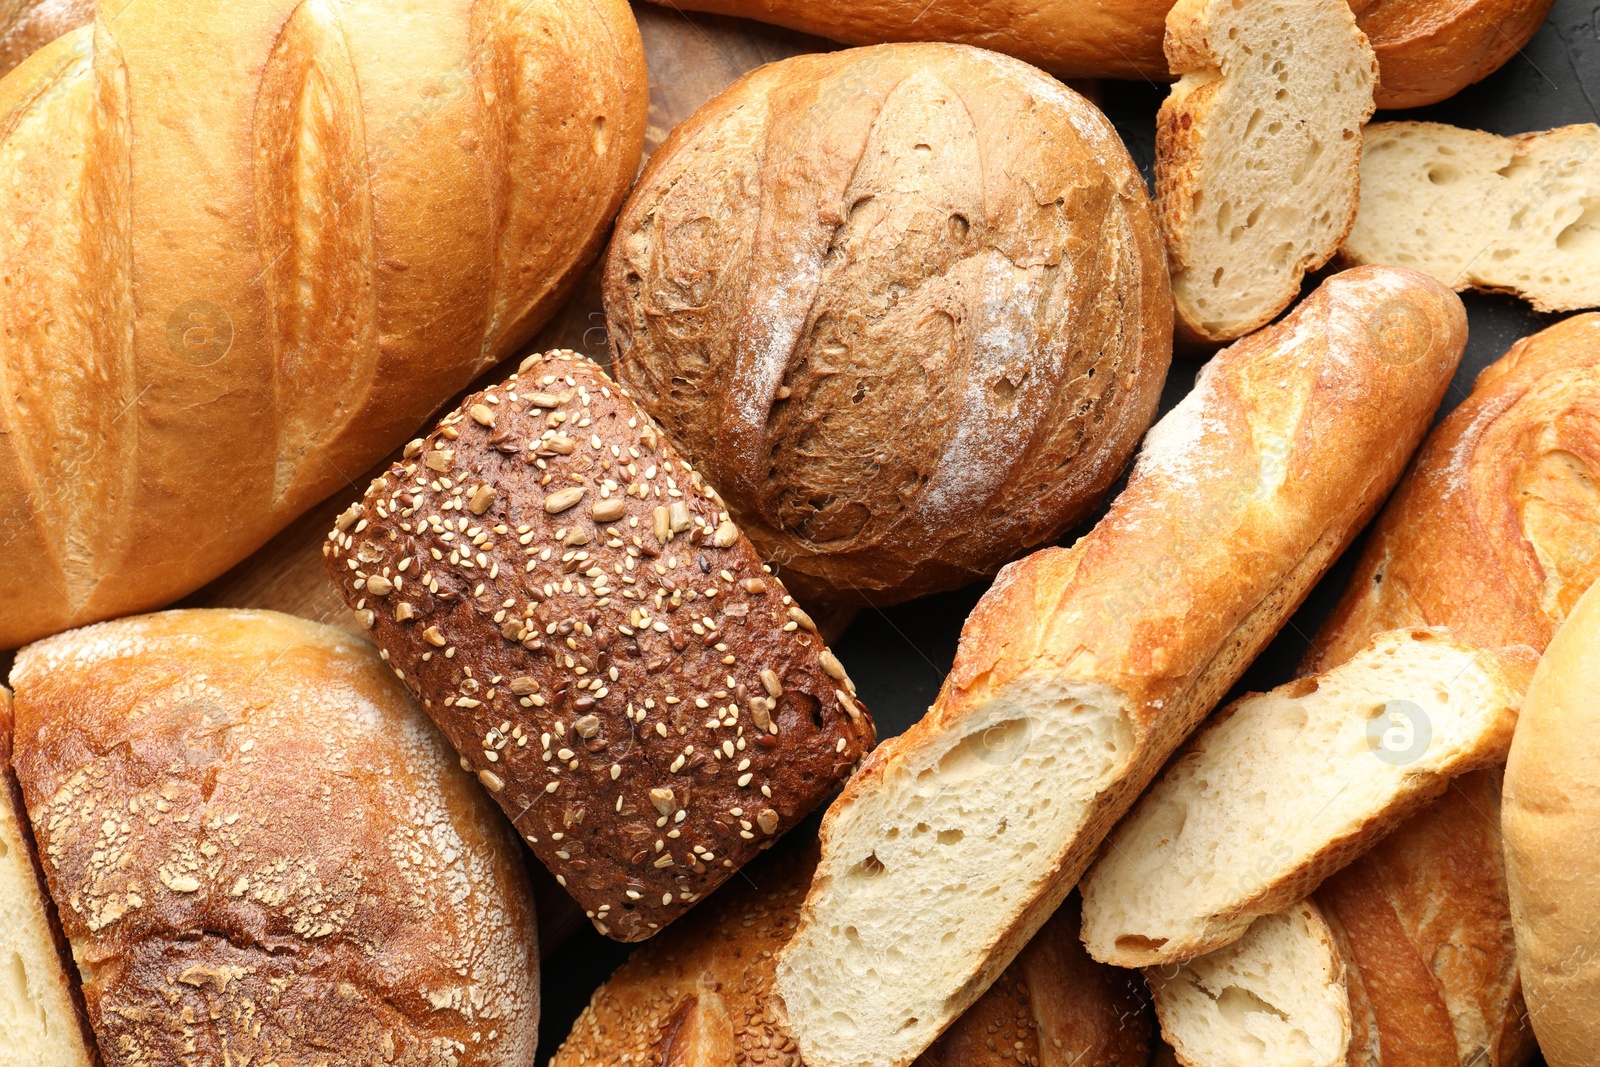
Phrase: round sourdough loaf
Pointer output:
(1551, 820)
(264, 853)
(905, 306)
(335, 215)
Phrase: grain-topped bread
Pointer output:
(1257, 154)
(1551, 821)
(41, 1016)
(907, 342)
(1082, 669)
(1281, 789)
(1517, 215)
(575, 608)
(701, 994)
(1273, 998)
(238, 273)
(262, 851)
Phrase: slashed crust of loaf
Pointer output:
(1262, 1000)
(1082, 669)
(1278, 790)
(1257, 153)
(575, 608)
(701, 994)
(1518, 215)
(41, 1011)
(263, 852)
(372, 210)
(1495, 530)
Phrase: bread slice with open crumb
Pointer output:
(1281, 789)
(1507, 214)
(1274, 998)
(41, 1024)
(1257, 153)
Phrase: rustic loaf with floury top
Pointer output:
(905, 307)
(576, 610)
(700, 995)
(1082, 669)
(264, 853)
(336, 215)
(1428, 49)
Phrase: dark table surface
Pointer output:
(898, 655)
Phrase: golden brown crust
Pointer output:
(263, 851)
(348, 249)
(575, 609)
(701, 995)
(1432, 49)
(28, 25)
(811, 309)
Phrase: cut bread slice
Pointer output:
(1281, 789)
(1257, 153)
(41, 1024)
(1509, 214)
(1273, 998)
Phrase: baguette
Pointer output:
(1279, 790)
(1428, 49)
(1551, 820)
(42, 1023)
(700, 995)
(1258, 151)
(335, 215)
(1275, 997)
(263, 851)
(1082, 669)
(1518, 215)
(577, 611)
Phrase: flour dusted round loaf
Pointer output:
(905, 306)
(262, 852)
(250, 245)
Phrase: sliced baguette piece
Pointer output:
(1082, 669)
(1257, 154)
(1517, 215)
(1273, 998)
(41, 1019)
(1281, 789)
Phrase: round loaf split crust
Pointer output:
(575, 608)
(262, 852)
(905, 306)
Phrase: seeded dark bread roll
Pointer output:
(701, 995)
(576, 610)
(906, 307)
(263, 852)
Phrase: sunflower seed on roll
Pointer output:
(601, 641)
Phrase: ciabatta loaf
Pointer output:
(1551, 821)
(1281, 789)
(1518, 214)
(1273, 998)
(41, 1019)
(1082, 669)
(263, 851)
(1257, 153)
(701, 994)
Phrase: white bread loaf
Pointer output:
(1273, 998)
(263, 852)
(1517, 215)
(1551, 820)
(335, 215)
(41, 1021)
(1082, 669)
(1257, 154)
(1279, 790)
